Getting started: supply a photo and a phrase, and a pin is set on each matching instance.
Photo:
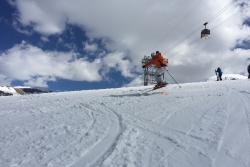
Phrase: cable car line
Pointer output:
(185, 47)
(214, 29)
(222, 10)
(177, 24)
(199, 28)
(231, 17)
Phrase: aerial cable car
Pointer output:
(205, 33)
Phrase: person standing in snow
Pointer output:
(248, 69)
(160, 64)
(219, 74)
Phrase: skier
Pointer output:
(219, 73)
(160, 64)
(248, 69)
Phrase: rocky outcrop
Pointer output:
(19, 91)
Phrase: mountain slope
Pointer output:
(200, 124)
(10, 91)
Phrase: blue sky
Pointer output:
(79, 45)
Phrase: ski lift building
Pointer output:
(149, 72)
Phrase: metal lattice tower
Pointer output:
(149, 72)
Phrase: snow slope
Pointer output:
(198, 125)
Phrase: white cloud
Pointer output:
(43, 16)
(44, 39)
(39, 81)
(118, 62)
(138, 81)
(5, 80)
(137, 28)
(71, 46)
(90, 47)
(25, 62)
(36, 67)
(20, 29)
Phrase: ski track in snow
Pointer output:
(200, 124)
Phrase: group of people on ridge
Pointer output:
(220, 73)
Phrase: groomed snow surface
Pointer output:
(205, 124)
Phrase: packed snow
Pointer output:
(203, 124)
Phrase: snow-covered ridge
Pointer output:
(21, 90)
(7, 91)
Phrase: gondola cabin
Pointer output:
(205, 33)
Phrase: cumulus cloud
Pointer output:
(26, 62)
(118, 62)
(137, 28)
(36, 67)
